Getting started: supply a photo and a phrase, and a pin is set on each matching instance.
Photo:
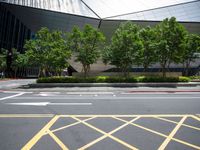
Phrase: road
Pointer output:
(99, 119)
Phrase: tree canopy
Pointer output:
(170, 40)
(48, 51)
(148, 53)
(85, 45)
(191, 50)
(125, 47)
(3, 56)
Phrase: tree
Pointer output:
(148, 53)
(85, 45)
(192, 47)
(123, 52)
(13, 54)
(170, 39)
(14, 62)
(48, 51)
(59, 53)
(3, 64)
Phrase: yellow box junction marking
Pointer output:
(58, 141)
(109, 135)
(168, 139)
(70, 125)
(160, 134)
(189, 126)
(35, 139)
(46, 129)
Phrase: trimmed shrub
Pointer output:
(162, 79)
(195, 77)
(106, 79)
(184, 79)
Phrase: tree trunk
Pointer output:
(187, 65)
(15, 72)
(40, 74)
(145, 67)
(86, 70)
(163, 70)
(125, 72)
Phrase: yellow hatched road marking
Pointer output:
(57, 140)
(70, 125)
(144, 116)
(37, 137)
(110, 136)
(144, 128)
(186, 143)
(189, 126)
(168, 139)
(195, 117)
(160, 134)
(46, 129)
(51, 115)
(106, 135)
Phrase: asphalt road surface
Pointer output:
(101, 120)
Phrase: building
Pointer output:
(20, 19)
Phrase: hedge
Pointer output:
(106, 79)
(195, 77)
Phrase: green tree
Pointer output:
(15, 63)
(3, 57)
(48, 51)
(148, 53)
(170, 39)
(86, 45)
(125, 47)
(192, 48)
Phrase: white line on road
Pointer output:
(50, 92)
(17, 92)
(12, 96)
(49, 103)
(88, 93)
(69, 104)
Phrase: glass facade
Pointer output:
(109, 8)
(183, 12)
(76, 7)
(12, 31)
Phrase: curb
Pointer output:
(50, 85)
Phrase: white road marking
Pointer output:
(48, 93)
(88, 93)
(49, 103)
(14, 91)
(12, 96)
